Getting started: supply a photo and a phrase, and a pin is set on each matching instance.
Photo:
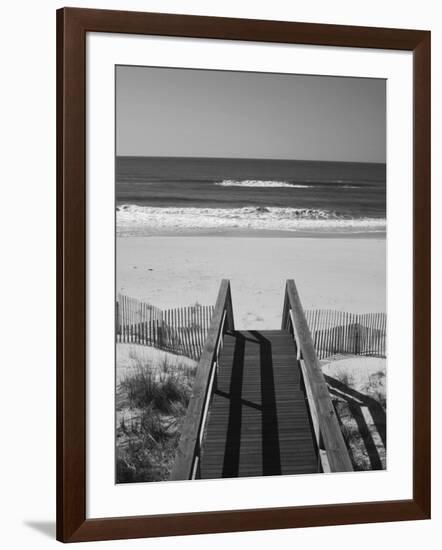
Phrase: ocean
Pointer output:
(163, 195)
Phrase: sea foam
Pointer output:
(143, 220)
(260, 183)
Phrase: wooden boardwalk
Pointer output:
(258, 423)
(260, 405)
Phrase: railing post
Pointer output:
(193, 425)
(319, 396)
(285, 310)
(230, 325)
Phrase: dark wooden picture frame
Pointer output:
(72, 26)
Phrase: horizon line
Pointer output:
(251, 158)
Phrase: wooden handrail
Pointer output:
(321, 407)
(187, 458)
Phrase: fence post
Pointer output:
(357, 338)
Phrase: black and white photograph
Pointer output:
(219, 255)
(250, 274)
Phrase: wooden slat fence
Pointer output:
(336, 332)
(180, 330)
(130, 311)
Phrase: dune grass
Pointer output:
(151, 402)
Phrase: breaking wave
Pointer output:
(306, 184)
(261, 183)
(142, 220)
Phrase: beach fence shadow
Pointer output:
(356, 401)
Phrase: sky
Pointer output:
(202, 113)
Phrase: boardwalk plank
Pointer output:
(259, 423)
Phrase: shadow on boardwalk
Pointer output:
(259, 422)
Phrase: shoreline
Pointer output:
(258, 234)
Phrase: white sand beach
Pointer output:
(347, 274)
